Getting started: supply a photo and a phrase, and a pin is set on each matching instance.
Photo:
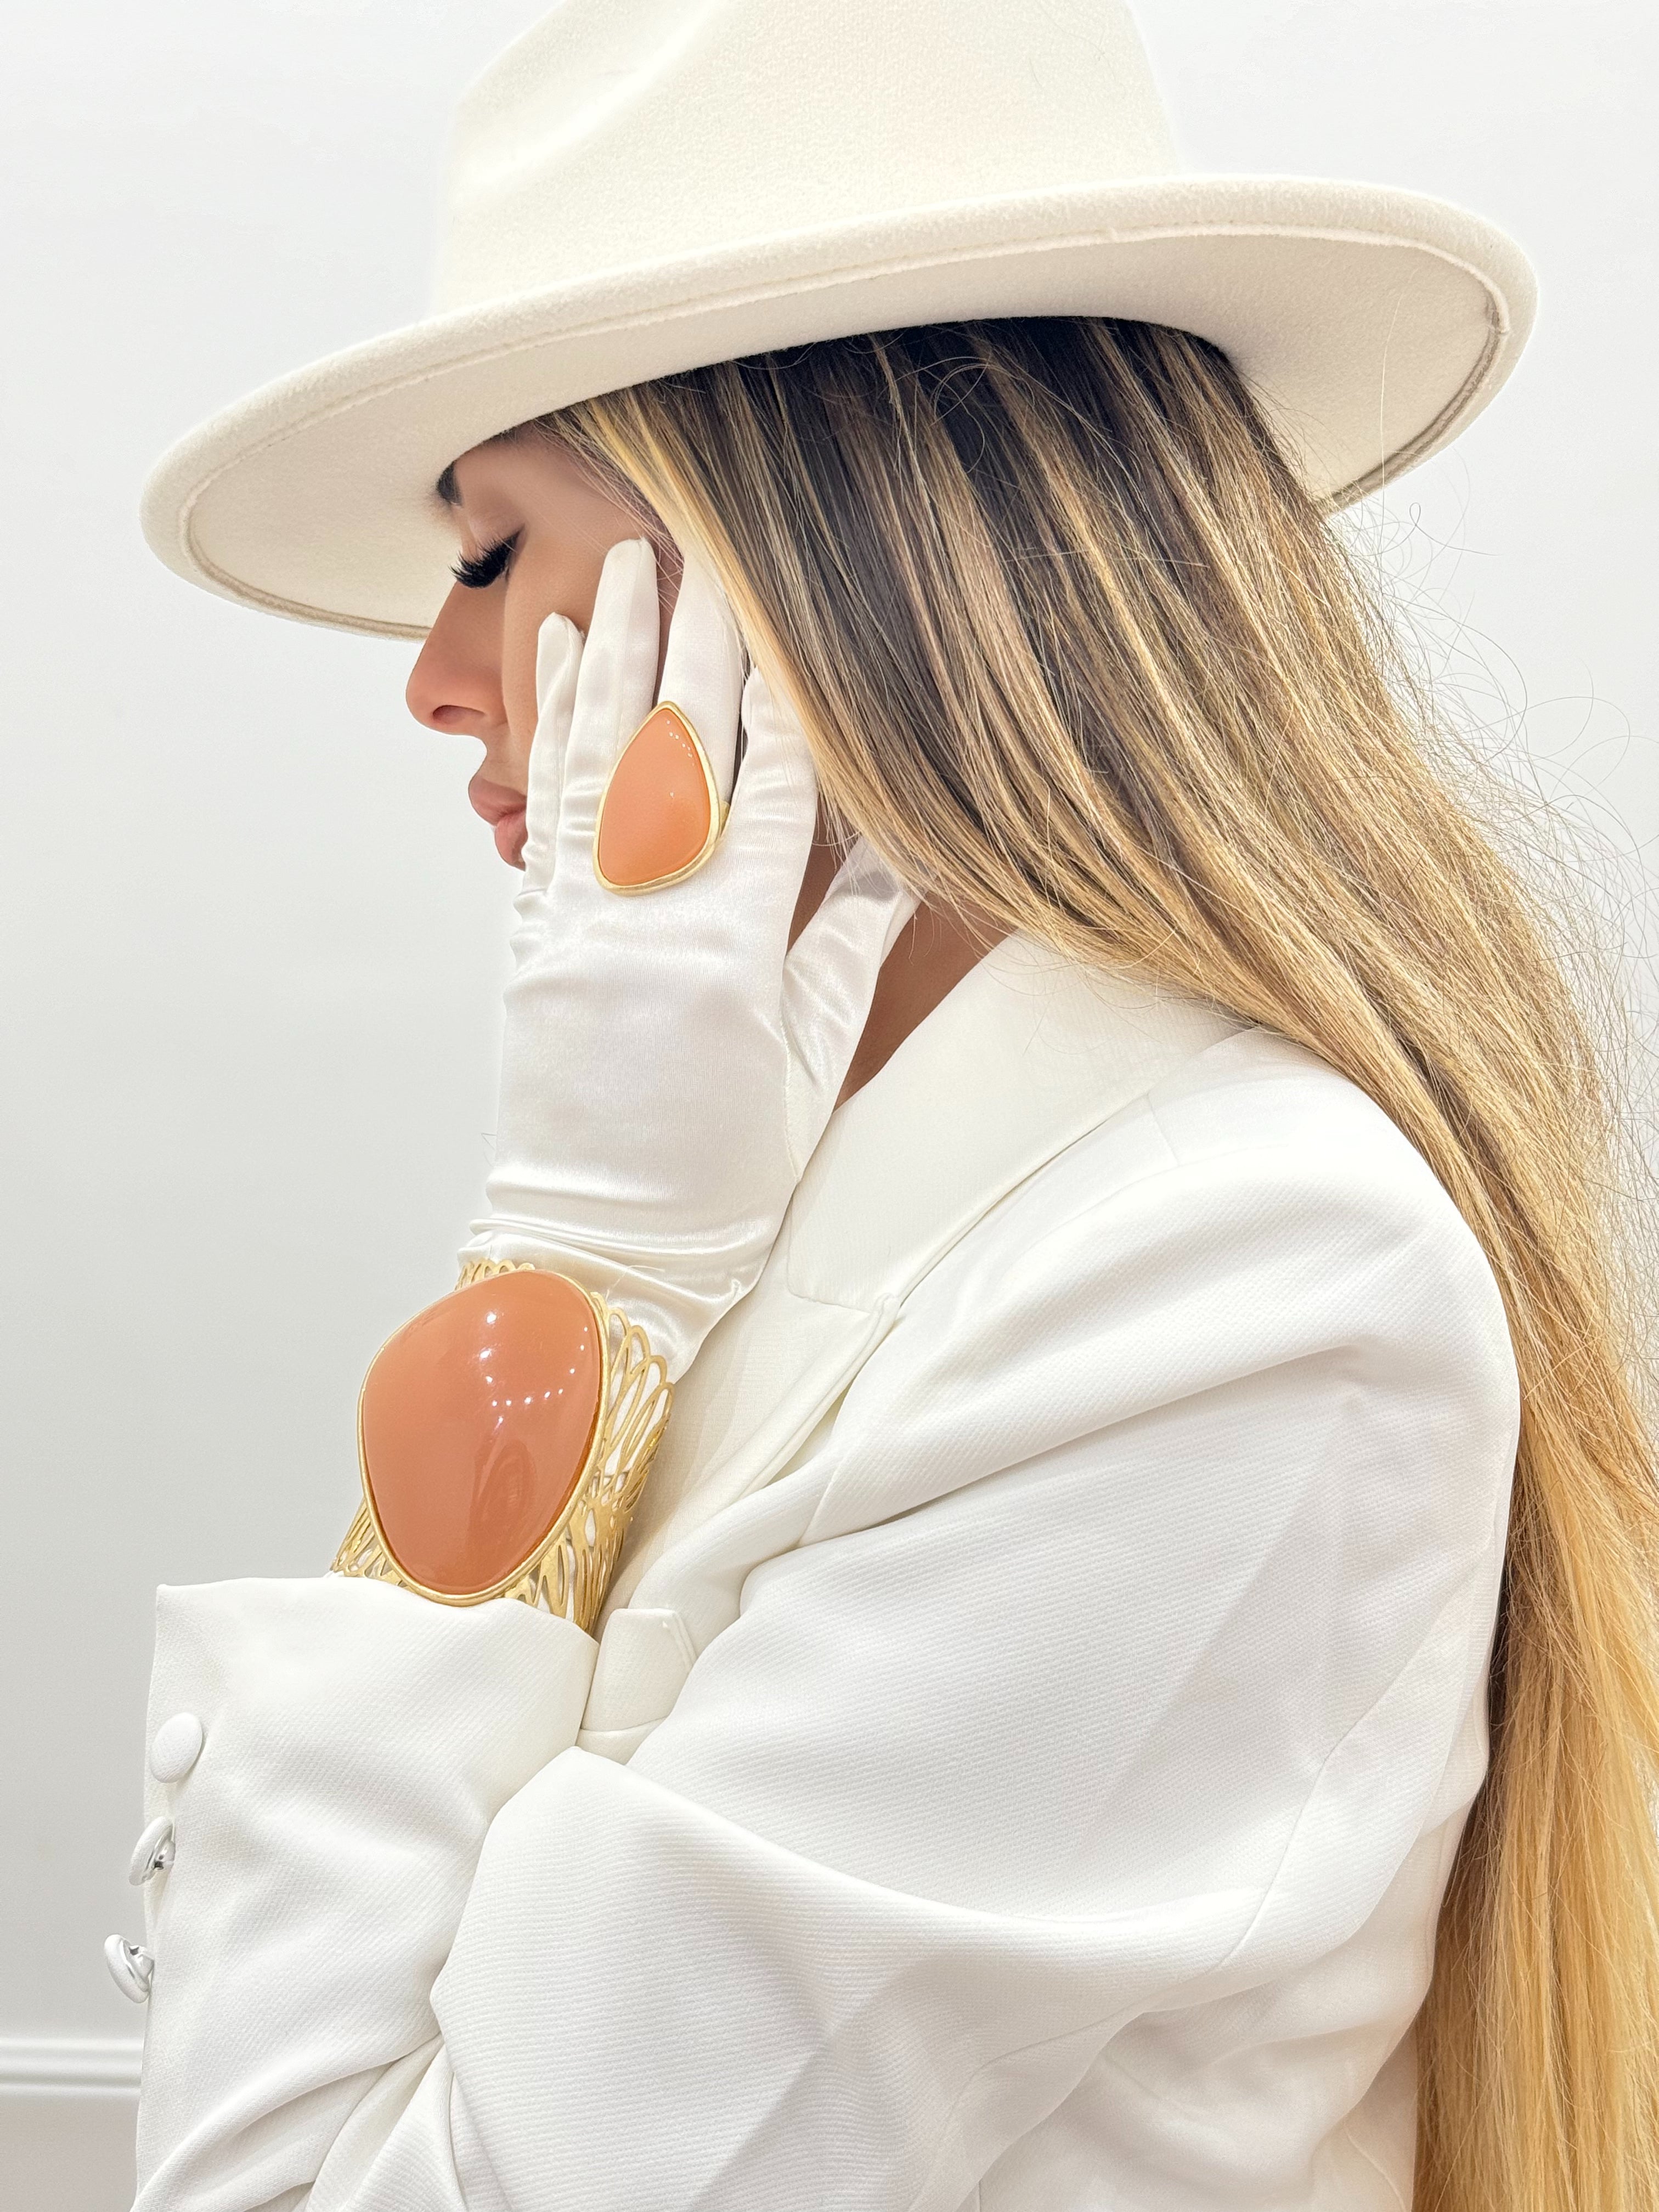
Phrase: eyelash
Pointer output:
(483, 568)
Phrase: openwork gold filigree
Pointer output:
(572, 1570)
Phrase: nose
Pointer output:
(456, 682)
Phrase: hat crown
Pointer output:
(617, 133)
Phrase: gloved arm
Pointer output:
(669, 1060)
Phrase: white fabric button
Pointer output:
(177, 1747)
(153, 1852)
(131, 1968)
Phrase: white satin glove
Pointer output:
(669, 1060)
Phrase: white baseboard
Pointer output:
(69, 2106)
(45, 2062)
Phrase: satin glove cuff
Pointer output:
(674, 1318)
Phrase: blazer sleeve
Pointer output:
(355, 1742)
(1126, 1636)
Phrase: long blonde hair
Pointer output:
(1075, 649)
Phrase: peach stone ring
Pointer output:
(661, 814)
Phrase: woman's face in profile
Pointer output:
(534, 530)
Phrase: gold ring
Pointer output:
(661, 815)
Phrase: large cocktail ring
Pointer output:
(661, 815)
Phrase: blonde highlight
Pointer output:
(1073, 647)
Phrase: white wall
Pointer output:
(250, 936)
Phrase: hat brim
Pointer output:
(1373, 325)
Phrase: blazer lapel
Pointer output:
(1027, 1054)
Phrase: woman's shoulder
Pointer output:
(1255, 1110)
(1169, 1087)
(1254, 1174)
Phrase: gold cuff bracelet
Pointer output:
(504, 1435)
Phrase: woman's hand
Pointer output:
(669, 1060)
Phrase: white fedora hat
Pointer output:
(638, 186)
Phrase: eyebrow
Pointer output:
(446, 488)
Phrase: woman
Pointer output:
(1124, 1673)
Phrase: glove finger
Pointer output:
(775, 811)
(558, 658)
(828, 980)
(615, 686)
(702, 672)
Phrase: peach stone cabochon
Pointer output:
(656, 814)
(476, 1421)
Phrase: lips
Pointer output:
(503, 809)
(509, 834)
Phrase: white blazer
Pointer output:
(1026, 1747)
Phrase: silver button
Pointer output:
(153, 1852)
(177, 1747)
(131, 1968)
